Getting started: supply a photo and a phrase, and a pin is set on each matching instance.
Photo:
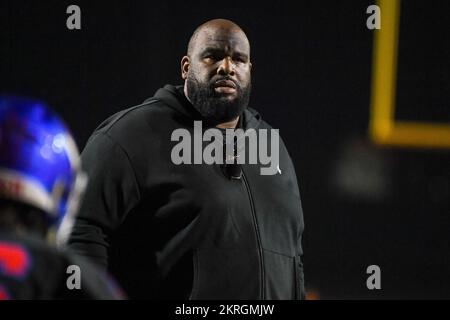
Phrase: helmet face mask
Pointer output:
(72, 202)
(39, 161)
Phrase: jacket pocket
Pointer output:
(280, 276)
(225, 274)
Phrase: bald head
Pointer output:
(216, 70)
(216, 28)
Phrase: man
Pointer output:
(40, 185)
(199, 231)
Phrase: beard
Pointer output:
(216, 108)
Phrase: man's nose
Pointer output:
(226, 67)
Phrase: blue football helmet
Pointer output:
(39, 160)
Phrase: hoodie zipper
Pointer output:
(258, 236)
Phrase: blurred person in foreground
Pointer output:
(40, 188)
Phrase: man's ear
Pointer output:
(185, 64)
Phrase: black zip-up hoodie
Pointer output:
(184, 231)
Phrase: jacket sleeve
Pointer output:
(112, 191)
(301, 276)
(301, 293)
(299, 254)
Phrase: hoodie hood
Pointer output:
(174, 97)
